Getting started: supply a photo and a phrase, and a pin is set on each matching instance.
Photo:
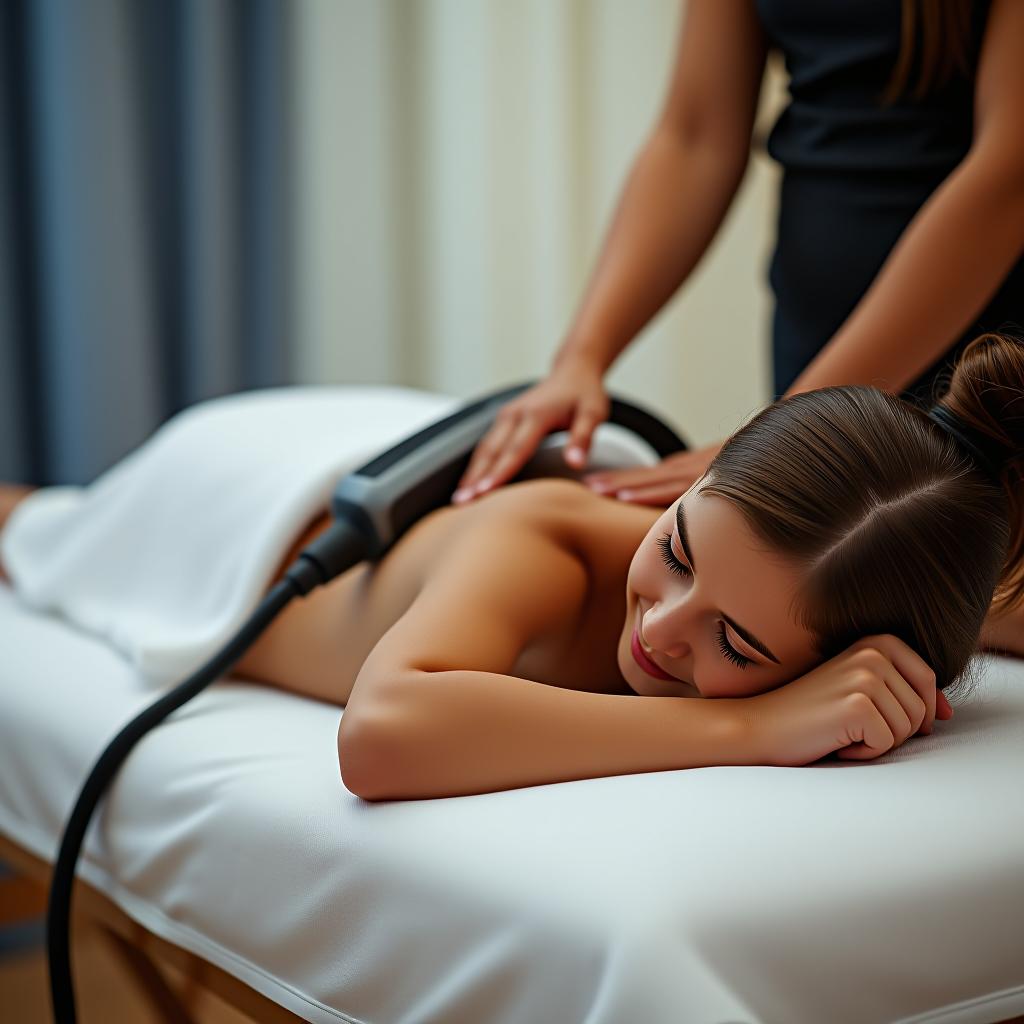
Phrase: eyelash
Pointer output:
(674, 565)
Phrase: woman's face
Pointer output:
(708, 607)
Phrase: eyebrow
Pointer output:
(749, 637)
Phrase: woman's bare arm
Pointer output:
(435, 712)
(461, 731)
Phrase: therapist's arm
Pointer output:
(682, 181)
(954, 254)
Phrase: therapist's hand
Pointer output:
(571, 397)
(655, 485)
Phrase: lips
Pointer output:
(644, 662)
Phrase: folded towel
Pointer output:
(167, 553)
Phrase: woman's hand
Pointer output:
(572, 397)
(656, 485)
(863, 703)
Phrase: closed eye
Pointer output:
(668, 556)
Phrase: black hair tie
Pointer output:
(989, 454)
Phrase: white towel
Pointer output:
(167, 553)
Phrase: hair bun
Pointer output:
(986, 396)
(989, 455)
(985, 402)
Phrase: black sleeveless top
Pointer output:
(856, 171)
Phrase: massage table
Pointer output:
(841, 892)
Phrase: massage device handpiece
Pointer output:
(380, 501)
(394, 490)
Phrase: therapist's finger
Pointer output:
(642, 476)
(669, 473)
(679, 465)
(658, 494)
(487, 452)
(520, 446)
(581, 434)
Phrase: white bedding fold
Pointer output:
(166, 553)
(854, 893)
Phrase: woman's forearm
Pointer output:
(460, 732)
(945, 267)
(676, 196)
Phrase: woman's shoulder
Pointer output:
(560, 501)
(595, 528)
(555, 496)
(599, 532)
(499, 575)
(542, 498)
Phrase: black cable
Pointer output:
(369, 517)
(333, 551)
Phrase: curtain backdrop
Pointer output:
(144, 200)
(458, 163)
(202, 196)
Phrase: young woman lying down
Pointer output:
(814, 593)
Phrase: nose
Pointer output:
(663, 627)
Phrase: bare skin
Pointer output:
(939, 275)
(306, 651)
(318, 645)
(436, 650)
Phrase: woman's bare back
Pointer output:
(318, 644)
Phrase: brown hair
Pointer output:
(897, 529)
(945, 28)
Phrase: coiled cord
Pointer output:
(336, 549)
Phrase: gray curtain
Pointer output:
(144, 234)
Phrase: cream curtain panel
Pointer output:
(458, 163)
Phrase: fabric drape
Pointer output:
(143, 220)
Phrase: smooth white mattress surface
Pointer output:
(891, 890)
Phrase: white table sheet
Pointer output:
(850, 893)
